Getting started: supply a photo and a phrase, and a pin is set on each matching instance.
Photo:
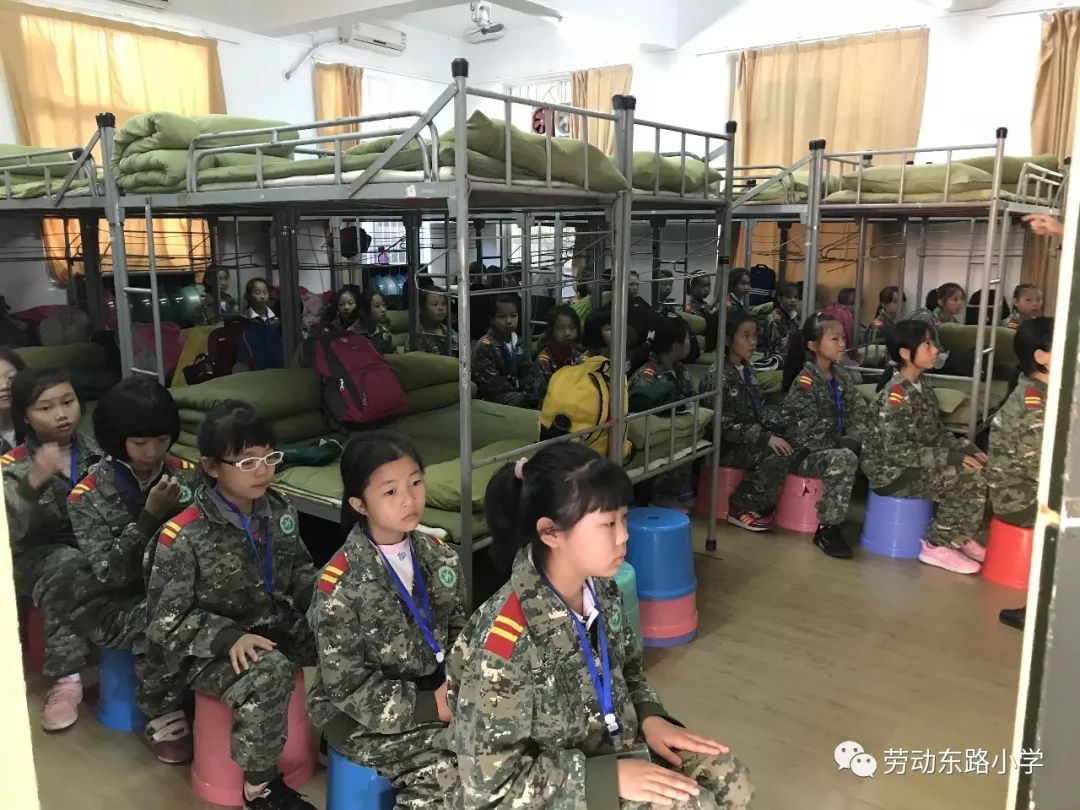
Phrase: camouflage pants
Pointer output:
(958, 495)
(55, 591)
(765, 472)
(411, 764)
(836, 469)
(724, 781)
(259, 699)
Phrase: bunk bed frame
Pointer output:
(458, 198)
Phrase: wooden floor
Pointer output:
(797, 653)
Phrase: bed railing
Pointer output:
(77, 164)
(715, 149)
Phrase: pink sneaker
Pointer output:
(62, 705)
(751, 521)
(950, 559)
(974, 550)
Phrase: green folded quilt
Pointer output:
(647, 165)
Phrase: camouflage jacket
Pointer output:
(655, 384)
(432, 343)
(1016, 433)
(38, 520)
(697, 306)
(206, 589)
(547, 364)
(500, 372)
(210, 311)
(527, 727)
(812, 420)
(875, 332)
(778, 328)
(1013, 321)
(376, 673)
(744, 416)
(905, 432)
(382, 337)
(111, 526)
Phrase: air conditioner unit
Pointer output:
(373, 37)
(160, 5)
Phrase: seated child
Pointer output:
(10, 365)
(257, 297)
(499, 363)
(596, 334)
(215, 301)
(49, 458)
(229, 588)
(387, 609)
(697, 294)
(559, 348)
(662, 287)
(342, 314)
(783, 321)
(633, 287)
(890, 301)
(749, 431)
(371, 321)
(549, 702)
(843, 310)
(738, 289)
(116, 511)
(825, 418)
(436, 336)
(948, 304)
(1016, 432)
(909, 453)
(1027, 303)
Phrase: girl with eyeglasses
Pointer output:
(229, 588)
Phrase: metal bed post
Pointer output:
(813, 227)
(723, 271)
(920, 251)
(991, 352)
(114, 214)
(412, 258)
(748, 244)
(988, 260)
(333, 227)
(558, 262)
(285, 226)
(91, 250)
(460, 70)
(656, 226)
(782, 257)
(526, 281)
(155, 302)
(860, 269)
(624, 107)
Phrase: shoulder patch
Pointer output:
(337, 566)
(81, 488)
(544, 356)
(897, 395)
(878, 323)
(506, 629)
(486, 340)
(431, 537)
(648, 370)
(172, 529)
(174, 463)
(13, 455)
(806, 382)
(1032, 398)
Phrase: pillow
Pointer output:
(949, 399)
(417, 370)
(659, 431)
(696, 322)
(1011, 166)
(433, 397)
(670, 169)
(443, 481)
(925, 179)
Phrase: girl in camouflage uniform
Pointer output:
(783, 320)
(560, 348)
(826, 419)
(890, 300)
(909, 453)
(549, 702)
(371, 322)
(436, 336)
(386, 608)
(950, 300)
(1027, 303)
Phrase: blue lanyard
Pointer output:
(834, 384)
(750, 389)
(74, 465)
(422, 614)
(601, 681)
(134, 502)
(268, 546)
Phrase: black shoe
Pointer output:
(1014, 617)
(831, 541)
(278, 796)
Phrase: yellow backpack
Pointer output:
(582, 395)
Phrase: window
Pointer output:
(552, 90)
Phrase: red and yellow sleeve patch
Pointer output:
(879, 324)
(174, 463)
(81, 488)
(506, 629)
(171, 530)
(806, 382)
(1032, 398)
(897, 396)
(1013, 323)
(13, 455)
(648, 372)
(337, 566)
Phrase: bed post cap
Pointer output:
(459, 67)
(1003, 132)
(105, 120)
(730, 127)
(1067, 161)
(817, 143)
(621, 102)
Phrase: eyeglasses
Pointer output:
(251, 464)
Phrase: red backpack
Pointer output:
(359, 387)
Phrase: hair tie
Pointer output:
(519, 469)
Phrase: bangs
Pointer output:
(232, 427)
(257, 433)
(606, 488)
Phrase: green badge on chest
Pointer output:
(448, 576)
(288, 524)
(185, 494)
(616, 619)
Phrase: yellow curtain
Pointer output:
(61, 69)
(862, 92)
(339, 93)
(592, 89)
(1053, 121)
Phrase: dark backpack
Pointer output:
(359, 387)
(261, 347)
(223, 344)
(762, 284)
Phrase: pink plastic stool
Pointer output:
(1008, 555)
(216, 778)
(797, 509)
(35, 640)
(727, 481)
(669, 622)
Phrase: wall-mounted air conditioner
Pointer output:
(373, 37)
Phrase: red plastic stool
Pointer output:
(669, 622)
(216, 778)
(797, 508)
(727, 481)
(1008, 555)
(35, 640)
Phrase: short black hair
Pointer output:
(908, 334)
(885, 297)
(363, 455)
(1034, 334)
(734, 275)
(592, 335)
(428, 292)
(230, 427)
(26, 387)
(846, 297)
(786, 289)
(561, 311)
(734, 322)
(1019, 289)
(9, 355)
(354, 291)
(670, 332)
(249, 288)
(366, 299)
(947, 291)
(504, 298)
(210, 278)
(137, 407)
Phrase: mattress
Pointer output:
(849, 197)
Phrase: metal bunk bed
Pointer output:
(458, 198)
(1039, 191)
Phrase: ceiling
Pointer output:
(453, 20)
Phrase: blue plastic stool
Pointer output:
(350, 786)
(626, 579)
(895, 527)
(116, 707)
(661, 553)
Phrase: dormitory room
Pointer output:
(574, 404)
